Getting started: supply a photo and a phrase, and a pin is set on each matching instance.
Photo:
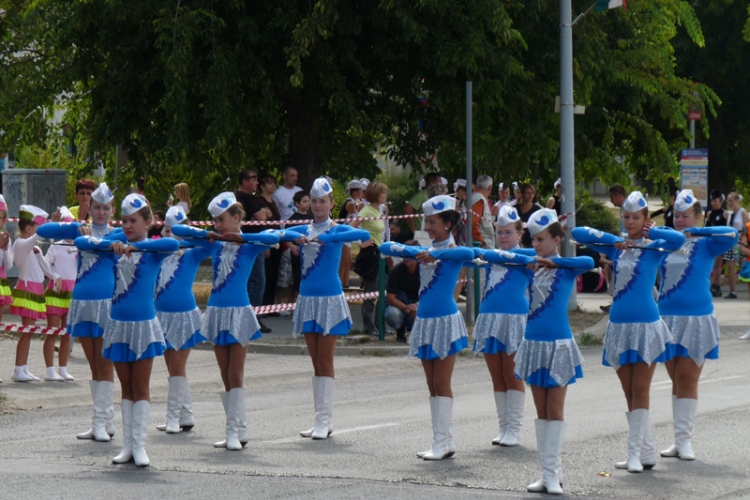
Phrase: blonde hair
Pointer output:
(236, 209)
(183, 193)
(734, 195)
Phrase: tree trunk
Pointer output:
(303, 114)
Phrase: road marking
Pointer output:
(336, 432)
(667, 384)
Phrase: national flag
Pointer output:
(610, 4)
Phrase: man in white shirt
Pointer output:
(284, 194)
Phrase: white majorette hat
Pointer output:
(541, 220)
(437, 204)
(364, 182)
(634, 202)
(684, 201)
(175, 215)
(500, 186)
(507, 215)
(321, 188)
(515, 185)
(221, 203)
(422, 184)
(3, 205)
(558, 182)
(132, 203)
(65, 215)
(355, 184)
(102, 194)
(443, 181)
(32, 213)
(459, 183)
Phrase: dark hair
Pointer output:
(450, 216)
(160, 213)
(85, 184)
(288, 168)
(523, 187)
(617, 189)
(555, 229)
(697, 208)
(431, 177)
(24, 223)
(716, 194)
(146, 213)
(245, 174)
(141, 183)
(297, 198)
(266, 178)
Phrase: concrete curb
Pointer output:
(291, 349)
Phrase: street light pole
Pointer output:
(567, 142)
(470, 298)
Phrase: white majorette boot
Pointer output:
(635, 439)
(109, 426)
(672, 450)
(684, 422)
(102, 399)
(500, 404)
(315, 385)
(553, 440)
(64, 374)
(514, 403)
(225, 403)
(242, 436)
(27, 372)
(187, 422)
(20, 376)
(141, 412)
(233, 401)
(174, 398)
(433, 414)
(443, 420)
(323, 408)
(541, 435)
(89, 434)
(746, 336)
(648, 449)
(126, 454)
(50, 375)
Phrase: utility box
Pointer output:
(45, 189)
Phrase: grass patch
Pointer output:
(589, 339)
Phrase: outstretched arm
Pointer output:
(344, 234)
(604, 242)
(458, 254)
(666, 237)
(59, 230)
(578, 265)
(392, 249)
(719, 238)
(293, 233)
(502, 257)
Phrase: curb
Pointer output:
(340, 351)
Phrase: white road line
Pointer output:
(336, 432)
(667, 384)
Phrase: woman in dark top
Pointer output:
(668, 211)
(525, 207)
(302, 212)
(267, 186)
(715, 217)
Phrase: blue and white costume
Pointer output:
(229, 317)
(685, 302)
(132, 333)
(505, 305)
(321, 305)
(439, 330)
(636, 333)
(175, 304)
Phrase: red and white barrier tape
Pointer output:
(42, 330)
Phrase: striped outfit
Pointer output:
(28, 295)
(64, 266)
(6, 262)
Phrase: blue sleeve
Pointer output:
(604, 242)
(502, 257)
(91, 243)
(184, 231)
(293, 233)
(666, 237)
(116, 235)
(579, 265)
(160, 245)
(344, 234)
(459, 254)
(720, 238)
(59, 230)
(265, 238)
(529, 252)
(392, 249)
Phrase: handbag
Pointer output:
(366, 264)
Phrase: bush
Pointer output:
(594, 213)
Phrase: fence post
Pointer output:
(381, 298)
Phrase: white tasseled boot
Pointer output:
(102, 400)
(233, 401)
(433, 414)
(308, 433)
(187, 421)
(501, 406)
(174, 397)
(672, 450)
(126, 455)
(635, 439)
(514, 403)
(141, 413)
(225, 403)
(685, 409)
(540, 426)
(444, 418)
(323, 411)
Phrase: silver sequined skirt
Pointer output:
(327, 313)
(698, 335)
(539, 361)
(648, 340)
(239, 322)
(137, 336)
(180, 327)
(440, 333)
(506, 328)
(89, 311)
